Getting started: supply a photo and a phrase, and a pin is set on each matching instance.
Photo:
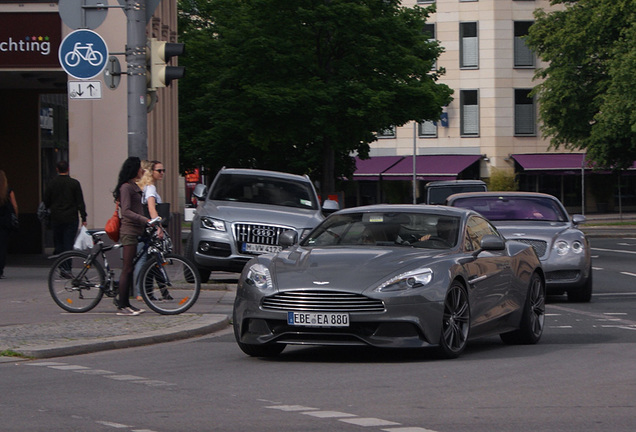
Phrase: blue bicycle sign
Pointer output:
(83, 54)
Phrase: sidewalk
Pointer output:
(32, 325)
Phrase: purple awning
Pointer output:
(556, 162)
(372, 168)
(431, 167)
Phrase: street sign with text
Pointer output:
(85, 90)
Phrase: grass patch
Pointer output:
(11, 353)
(625, 223)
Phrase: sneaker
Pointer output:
(127, 311)
(136, 309)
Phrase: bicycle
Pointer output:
(170, 283)
(94, 58)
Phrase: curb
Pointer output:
(211, 324)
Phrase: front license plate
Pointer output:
(318, 319)
(261, 249)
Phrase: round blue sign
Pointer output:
(83, 54)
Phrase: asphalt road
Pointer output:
(580, 377)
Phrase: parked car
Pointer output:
(540, 220)
(391, 276)
(436, 192)
(244, 214)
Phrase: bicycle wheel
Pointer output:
(73, 286)
(171, 288)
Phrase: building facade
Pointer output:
(40, 124)
(492, 122)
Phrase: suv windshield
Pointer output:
(387, 229)
(263, 190)
(501, 208)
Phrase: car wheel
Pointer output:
(582, 294)
(270, 350)
(455, 322)
(189, 253)
(533, 318)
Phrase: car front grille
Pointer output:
(539, 246)
(322, 301)
(258, 233)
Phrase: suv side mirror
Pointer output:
(200, 191)
(330, 206)
(288, 238)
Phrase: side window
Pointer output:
(476, 229)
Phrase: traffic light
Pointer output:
(160, 54)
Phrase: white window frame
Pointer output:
(525, 113)
(523, 56)
(387, 133)
(469, 113)
(469, 45)
(427, 129)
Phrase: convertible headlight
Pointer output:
(213, 224)
(408, 280)
(259, 276)
(562, 247)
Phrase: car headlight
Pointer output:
(213, 224)
(408, 280)
(577, 247)
(259, 276)
(562, 247)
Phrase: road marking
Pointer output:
(105, 373)
(344, 417)
(614, 313)
(614, 250)
(112, 424)
(627, 323)
(69, 367)
(368, 422)
(125, 377)
(628, 274)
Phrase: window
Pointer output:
(387, 133)
(469, 112)
(427, 129)
(525, 121)
(429, 29)
(469, 45)
(524, 57)
(425, 1)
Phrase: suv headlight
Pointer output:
(259, 276)
(213, 224)
(413, 279)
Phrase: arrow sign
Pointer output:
(85, 89)
(83, 54)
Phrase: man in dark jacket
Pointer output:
(63, 196)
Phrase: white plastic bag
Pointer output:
(83, 240)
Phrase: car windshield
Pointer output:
(503, 208)
(263, 190)
(387, 229)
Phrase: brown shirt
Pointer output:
(132, 219)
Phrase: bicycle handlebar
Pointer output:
(155, 221)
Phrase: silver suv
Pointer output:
(244, 214)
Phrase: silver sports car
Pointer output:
(540, 220)
(394, 276)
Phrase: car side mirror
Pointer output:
(492, 243)
(578, 219)
(200, 191)
(330, 206)
(288, 238)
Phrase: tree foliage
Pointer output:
(588, 96)
(298, 85)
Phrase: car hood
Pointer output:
(351, 269)
(534, 230)
(263, 213)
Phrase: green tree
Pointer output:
(588, 97)
(299, 85)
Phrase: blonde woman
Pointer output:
(153, 172)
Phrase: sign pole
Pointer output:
(136, 59)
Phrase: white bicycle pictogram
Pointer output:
(94, 58)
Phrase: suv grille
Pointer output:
(539, 246)
(322, 301)
(258, 234)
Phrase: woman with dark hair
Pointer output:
(133, 221)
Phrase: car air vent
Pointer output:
(322, 301)
(539, 246)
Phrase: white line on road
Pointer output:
(615, 250)
(628, 274)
